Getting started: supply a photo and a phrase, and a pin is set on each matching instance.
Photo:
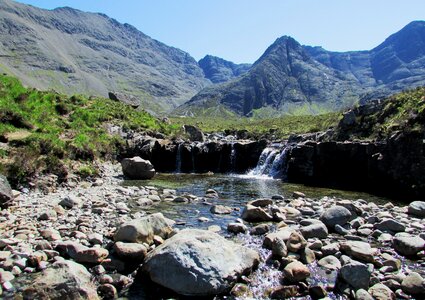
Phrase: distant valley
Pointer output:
(71, 52)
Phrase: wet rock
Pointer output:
(255, 214)
(199, 263)
(362, 294)
(407, 244)
(283, 233)
(130, 251)
(296, 242)
(359, 250)
(336, 215)
(241, 291)
(330, 262)
(261, 202)
(390, 261)
(330, 249)
(317, 292)
(417, 209)
(137, 168)
(63, 280)
(259, 229)
(318, 230)
(279, 248)
(296, 272)
(390, 225)
(6, 196)
(237, 228)
(221, 210)
(356, 274)
(381, 292)
(143, 230)
(107, 291)
(413, 284)
(285, 292)
(70, 201)
(307, 256)
(298, 195)
(211, 193)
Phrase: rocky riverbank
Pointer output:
(92, 238)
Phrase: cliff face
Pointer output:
(76, 52)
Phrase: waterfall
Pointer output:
(232, 157)
(179, 158)
(272, 162)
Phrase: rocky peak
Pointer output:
(220, 70)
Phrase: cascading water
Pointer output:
(232, 157)
(272, 162)
(179, 158)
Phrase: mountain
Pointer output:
(293, 79)
(77, 52)
(219, 70)
(284, 79)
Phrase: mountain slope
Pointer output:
(219, 70)
(294, 79)
(77, 52)
(285, 79)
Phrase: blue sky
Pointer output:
(241, 30)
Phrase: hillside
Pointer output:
(293, 79)
(76, 52)
(219, 70)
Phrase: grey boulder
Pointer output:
(6, 196)
(336, 215)
(408, 245)
(417, 208)
(199, 263)
(137, 168)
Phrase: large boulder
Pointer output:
(356, 274)
(63, 280)
(336, 215)
(417, 208)
(408, 245)
(359, 250)
(143, 230)
(124, 98)
(137, 168)
(316, 230)
(253, 213)
(414, 284)
(6, 196)
(296, 272)
(199, 263)
(194, 133)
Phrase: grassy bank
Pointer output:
(45, 131)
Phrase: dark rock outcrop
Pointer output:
(6, 196)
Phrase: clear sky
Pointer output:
(241, 30)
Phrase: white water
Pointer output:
(271, 164)
(179, 158)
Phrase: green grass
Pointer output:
(281, 127)
(61, 128)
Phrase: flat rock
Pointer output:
(390, 225)
(381, 292)
(330, 262)
(407, 244)
(317, 230)
(336, 215)
(199, 263)
(296, 272)
(142, 230)
(130, 251)
(63, 280)
(413, 284)
(359, 250)
(221, 210)
(255, 214)
(417, 209)
(356, 274)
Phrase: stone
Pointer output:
(285, 292)
(199, 263)
(359, 250)
(318, 230)
(296, 272)
(70, 201)
(330, 262)
(413, 284)
(95, 238)
(336, 215)
(107, 291)
(390, 225)
(283, 233)
(137, 168)
(356, 274)
(221, 210)
(130, 251)
(408, 245)
(49, 214)
(90, 255)
(261, 202)
(6, 196)
(260, 229)
(279, 248)
(298, 195)
(6, 276)
(317, 292)
(237, 228)
(296, 242)
(255, 214)
(381, 292)
(241, 291)
(194, 133)
(63, 280)
(307, 256)
(330, 249)
(417, 209)
(142, 230)
(362, 294)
